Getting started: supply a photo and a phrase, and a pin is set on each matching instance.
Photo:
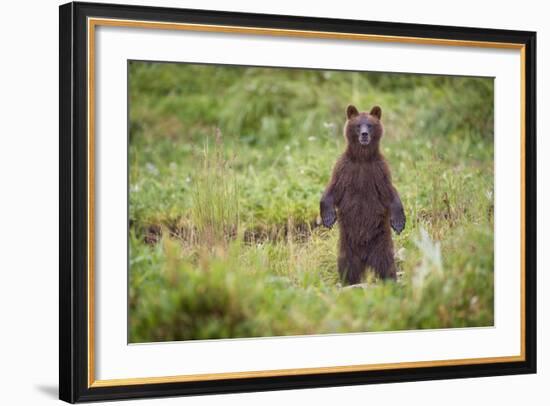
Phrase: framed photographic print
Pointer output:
(257, 202)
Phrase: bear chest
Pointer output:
(362, 191)
(364, 181)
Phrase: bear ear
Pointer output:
(351, 111)
(376, 111)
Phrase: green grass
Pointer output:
(227, 166)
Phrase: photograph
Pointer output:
(275, 201)
(257, 202)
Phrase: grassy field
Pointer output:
(226, 168)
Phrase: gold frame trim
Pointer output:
(94, 22)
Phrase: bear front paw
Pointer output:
(398, 224)
(329, 218)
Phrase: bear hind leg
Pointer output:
(350, 268)
(383, 265)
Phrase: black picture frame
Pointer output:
(74, 199)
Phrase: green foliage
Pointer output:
(215, 201)
(224, 229)
(281, 289)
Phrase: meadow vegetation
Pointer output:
(226, 168)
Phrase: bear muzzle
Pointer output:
(364, 138)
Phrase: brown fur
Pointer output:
(361, 195)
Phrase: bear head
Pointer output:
(363, 131)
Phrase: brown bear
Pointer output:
(361, 195)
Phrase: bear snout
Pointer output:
(364, 138)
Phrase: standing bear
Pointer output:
(361, 195)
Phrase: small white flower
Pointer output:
(151, 168)
(311, 138)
